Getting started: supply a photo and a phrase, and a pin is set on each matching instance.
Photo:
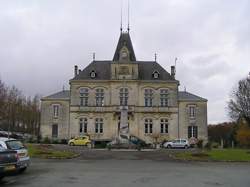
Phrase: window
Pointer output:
(124, 96)
(55, 110)
(92, 74)
(148, 126)
(192, 131)
(192, 111)
(155, 74)
(164, 98)
(164, 126)
(83, 122)
(98, 125)
(99, 95)
(54, 131)
(148, 96)
(84, 94)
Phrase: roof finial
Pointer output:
(94, 56)
(121, 17)
(185, 89)
(128, 16)
(155, 57)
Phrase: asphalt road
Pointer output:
(129, 173)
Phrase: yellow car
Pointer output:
(83, 140)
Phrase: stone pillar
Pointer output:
(124, 129)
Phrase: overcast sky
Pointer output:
(41, 41)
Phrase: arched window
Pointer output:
(99, 95)
(124, 96)
(148, 97)
(163, 97)
(84, 95)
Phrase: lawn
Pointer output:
(217, 155)
(47, 151)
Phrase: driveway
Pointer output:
(130, 173)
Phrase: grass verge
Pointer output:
(235, 155)
(47, 151)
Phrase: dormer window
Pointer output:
(93, 74)
(124, 54)
(156, 74)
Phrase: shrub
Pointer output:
(64, 141)
(208, 145)
(215, 145)
(200, 144)
(46, 140)
(55, 141)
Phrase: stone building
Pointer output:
(140, 97)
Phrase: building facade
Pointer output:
(123, 93)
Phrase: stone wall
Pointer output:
(200, 119)
(48, 119)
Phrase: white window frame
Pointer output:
(193, 130)
(99, 96)
(124, 95)
(55, 110)
(164, 97)
(192, 111)
(84, 96)
(83, 125)
(164, 126)
(99, 125)
(148, 97)
(148, 126)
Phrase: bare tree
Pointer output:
(239, 104)
(17, 112)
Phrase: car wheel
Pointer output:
(169, 146)
(71, 144)
(22, 170)
(185, 146)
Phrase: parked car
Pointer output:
(82, 140)
(8, 162)
(178, 143)
(16, 145)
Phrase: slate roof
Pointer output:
(124, 40)
(103, 68)
(59, 95)
(186, 96)
(103, 71)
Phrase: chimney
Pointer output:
(76, 70)
(173, 72)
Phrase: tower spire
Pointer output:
(128, 16)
